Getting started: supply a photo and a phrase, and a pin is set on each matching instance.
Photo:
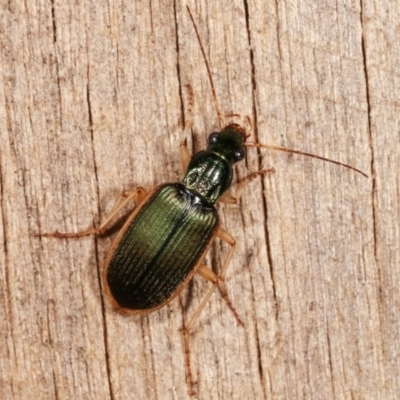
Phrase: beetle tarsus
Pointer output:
(225, 296)
(189, 375)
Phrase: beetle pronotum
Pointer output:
(151, 260)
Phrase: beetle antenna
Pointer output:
(303, 153)
(216, 105)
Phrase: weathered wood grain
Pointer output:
(92, 103)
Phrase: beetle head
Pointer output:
(228, 143)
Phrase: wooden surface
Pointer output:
(92, 101)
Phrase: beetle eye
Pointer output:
(239, 155)
(213, 138)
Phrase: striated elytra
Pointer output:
(159, 247)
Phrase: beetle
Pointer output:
(164, 241)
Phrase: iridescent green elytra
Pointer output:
(161, 245)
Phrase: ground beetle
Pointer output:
(165, 240)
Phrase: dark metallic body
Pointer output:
(160, 247)
(164, 241)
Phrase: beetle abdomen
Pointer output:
(160, 247)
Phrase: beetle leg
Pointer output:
(186, 329)
(184, 151)
(138, 195)
(206, 273)
(217, 281)
(227, 196)
(250, 178)
(226, 237)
